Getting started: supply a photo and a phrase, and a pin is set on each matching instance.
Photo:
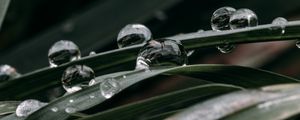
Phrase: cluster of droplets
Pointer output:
(228, 18)
(77, 77)
(62, 52)
(27, 107)
(7, 73)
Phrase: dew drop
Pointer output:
(63, 51)
(226, 48)
(71, 100)
(220, 18)
(281, 22)
(124, 76)
(54, 109)
(109, 87)
(7, 73)
(161, 52)
(28, 106)
(70, 110)
(92, 96)
(133, 34)
(77, 77)
(92, 82)
(243, 18)
(92, 53)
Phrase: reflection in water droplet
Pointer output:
(109, 87)
(28, 106)
(77, 77)
(243, 18)
(281, 22)
(161, 52)
(133, 34)
(226, 48)
(220, 18)
(7, 73)
(70, 110)
(298, 43)
(63, 51)
(71, 100)
(54, 109)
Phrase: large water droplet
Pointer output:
(70, 110)
(220, 18)
(133, 34)
(243, 18)
(28, 106)
(7, 73)
(161, 52)
(77, 77)
(281, 22)
(109, 87)
(63, 51)
(226, 48)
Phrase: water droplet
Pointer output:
(200, 31)
(77, 77)
(161, 52)
(92, 96)
(124, 76)
(243, 18)
(7, 73)
(71, 100)
(133, 34)
(298, 43)
(70, 110)
(54, 109)
(220, 18)
(63, 51)
(28, 106)
(92, 53)
(281, 22)
(92, 82)
(226, 48)
(109, 87)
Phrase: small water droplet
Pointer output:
(7, 73)
(200, 31)
(92, 96)
(124, 76)
(243, 18)
(161, 52)
(54, 109)
(92, 53)
(63, 51)
(92, 82)
(70, 110)
(298, 43)
(77, 77)
(109, 87)
(220, 18)
(281, 22)
(226, 48)
(133, 34)
(28, 106)
(71, 100)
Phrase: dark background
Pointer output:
(32, 26)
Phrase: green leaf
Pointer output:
(276, 109)
(225, 105)
(49, 77)
(3, 8)
(82, 99)
(8, 107)
(143, 108)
